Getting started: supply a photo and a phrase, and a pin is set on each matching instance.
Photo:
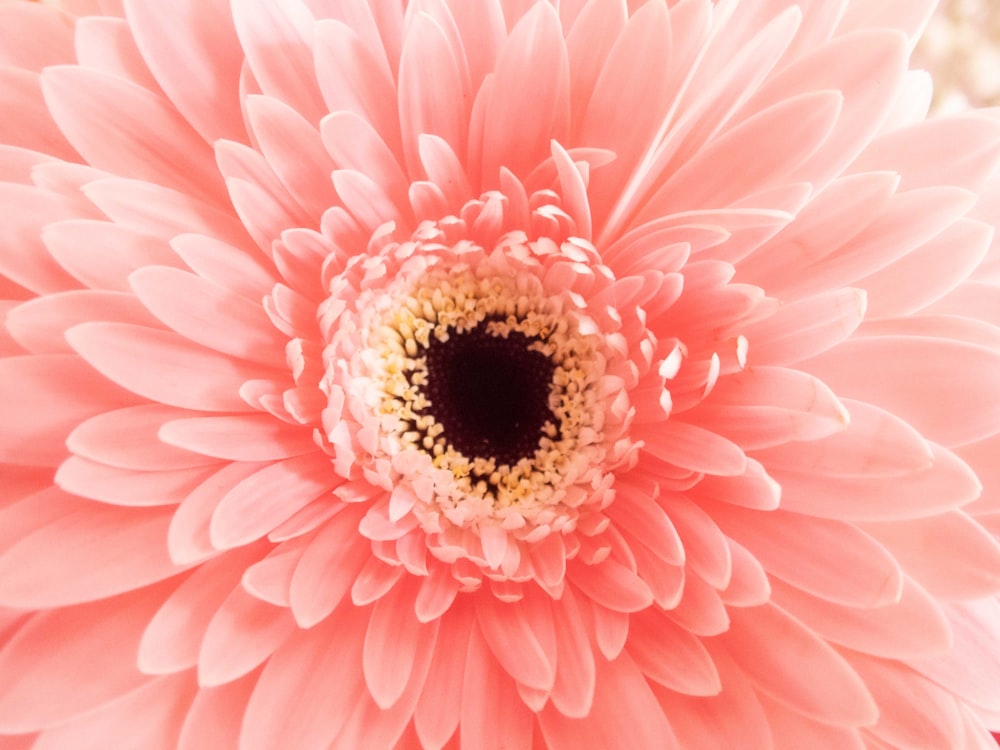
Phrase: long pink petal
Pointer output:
(98, 640)
(164, 366)
(787, 673)
(192, 50)
(121, 127)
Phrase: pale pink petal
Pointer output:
(734, 718)
(192, 51)
(117, 486)
(898, 690)
(493, 716)
(27, 122)
(532, 66)
(787, 673)
(316, 679)
(263, 500)
(216, 715)
(351, 80)
(671, 656)
(292, 147)
(705, 547)
(242, 633)
(947, 484)
(210, 314)
(99, 640)
(251, 437)
(106, 44)
(188, 538)
(172, 639)
(692, 447)
(34, 36)
(392, 644)
(121, 127)
(913, 626)
(625, 716)
(924, 548)
(129, 439)
(101, 254)
(277, 39)
(39, 325)
(789, 728)
(164, 366)
(828, 558)
(439, 708)
(120, 548)
(521, 639)
(162, 704)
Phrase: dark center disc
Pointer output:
(489, 393)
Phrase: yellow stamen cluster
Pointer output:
(443, 306)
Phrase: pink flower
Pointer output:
(491, 375)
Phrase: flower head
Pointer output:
(495, 374)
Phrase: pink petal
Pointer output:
(573, 690)
(328, 568)
(172, 639)
(216, 716)
(874, 443)
(947, 484)
(830, 559)
(262, 30)
(522, 638)
(193, 52)
(926, 549)
(110, 484)
(315, 677)
(250, 437)
(764, 406)
(129, 439)
(352, 80)
(121, 127)
(392, 643)
(433, 95)
(532, 67)
(188, 536)
(671, 656)
(101, 254)
(28, 123)
(789, 728)
(242, 633)
(439, 707)
(700, 610)
(913, 626)
(39, 325)
(786, 673)
(768, 146)
(930, 271)
(162, 704)
(23, 259)
(734, 718)
(42, 399)
(493, 716)
(293, 149)
(33, 37)
(612, 585)
(625, 716)
(98, 640)
(689, 446)
(120, 549)
(164, 366)
(262, 501)
(899, 691)
(705, 547)
(106, 44)
(806, 327)
(210, 314)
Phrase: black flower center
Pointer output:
(489, 392)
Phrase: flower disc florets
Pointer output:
(483, 391)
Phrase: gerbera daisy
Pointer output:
(498, 374)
